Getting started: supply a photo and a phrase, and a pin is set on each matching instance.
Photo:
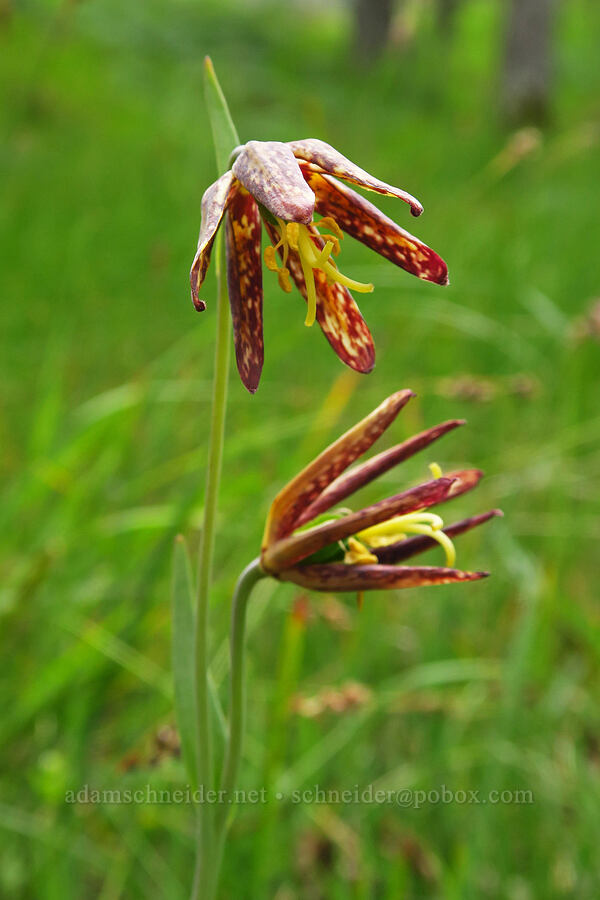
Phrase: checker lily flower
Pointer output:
(284, 186)
(307, 543)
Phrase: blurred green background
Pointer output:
(105, 373)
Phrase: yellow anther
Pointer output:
(357, 554)
(336, 244)
(330, 223)
(293, 234)
(435, 470)
(283, 276)
(271, 259)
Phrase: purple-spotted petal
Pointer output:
(269, 170)
(366, 472)
(324, 158)
(363, 221)
(337, 313)
(340, 577)
(291, 550)
(311, 481)
(214, 204)
(411, 546)
(244, 282)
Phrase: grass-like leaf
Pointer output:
(225, 136)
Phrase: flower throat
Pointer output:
(304, 240)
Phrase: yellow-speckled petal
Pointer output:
(244, 282)
(337, 312)
(308, 484)
(362, 220)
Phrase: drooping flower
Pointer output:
(284, 185)
(310, 541)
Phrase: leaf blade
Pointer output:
(225, 136)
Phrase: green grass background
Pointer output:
(105, 375)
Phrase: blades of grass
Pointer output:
(321, 752)
(118, 651)
(528, 575)
(278, 735)
(108, 403)
(139, 518)
(348, 841)
(468, 321)
(157, 869)
(217, 709)
(225, 136)
(113, 887)
(290, 660)
(46, 421)
(442, 672)
(438, 673)
(547, 314)
(183, 655)
(329, 413)
(36, 826)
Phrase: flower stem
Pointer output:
(204, 857)
(243, 589)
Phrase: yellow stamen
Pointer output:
(271, 259)
(330, 223)
(399, 527)
(435, 470)
(357, 554)
(336, 245)
(293, 234)
(305, 241)
(283, 276)
(379, 535)
(359, 286)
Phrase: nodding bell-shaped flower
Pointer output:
(310, 541)
(285, 185)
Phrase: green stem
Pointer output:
(243, 589)
(204, 857)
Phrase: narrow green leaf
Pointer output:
(225, 136)
(183, 655)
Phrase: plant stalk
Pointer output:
(204, 858)
(243, 589)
